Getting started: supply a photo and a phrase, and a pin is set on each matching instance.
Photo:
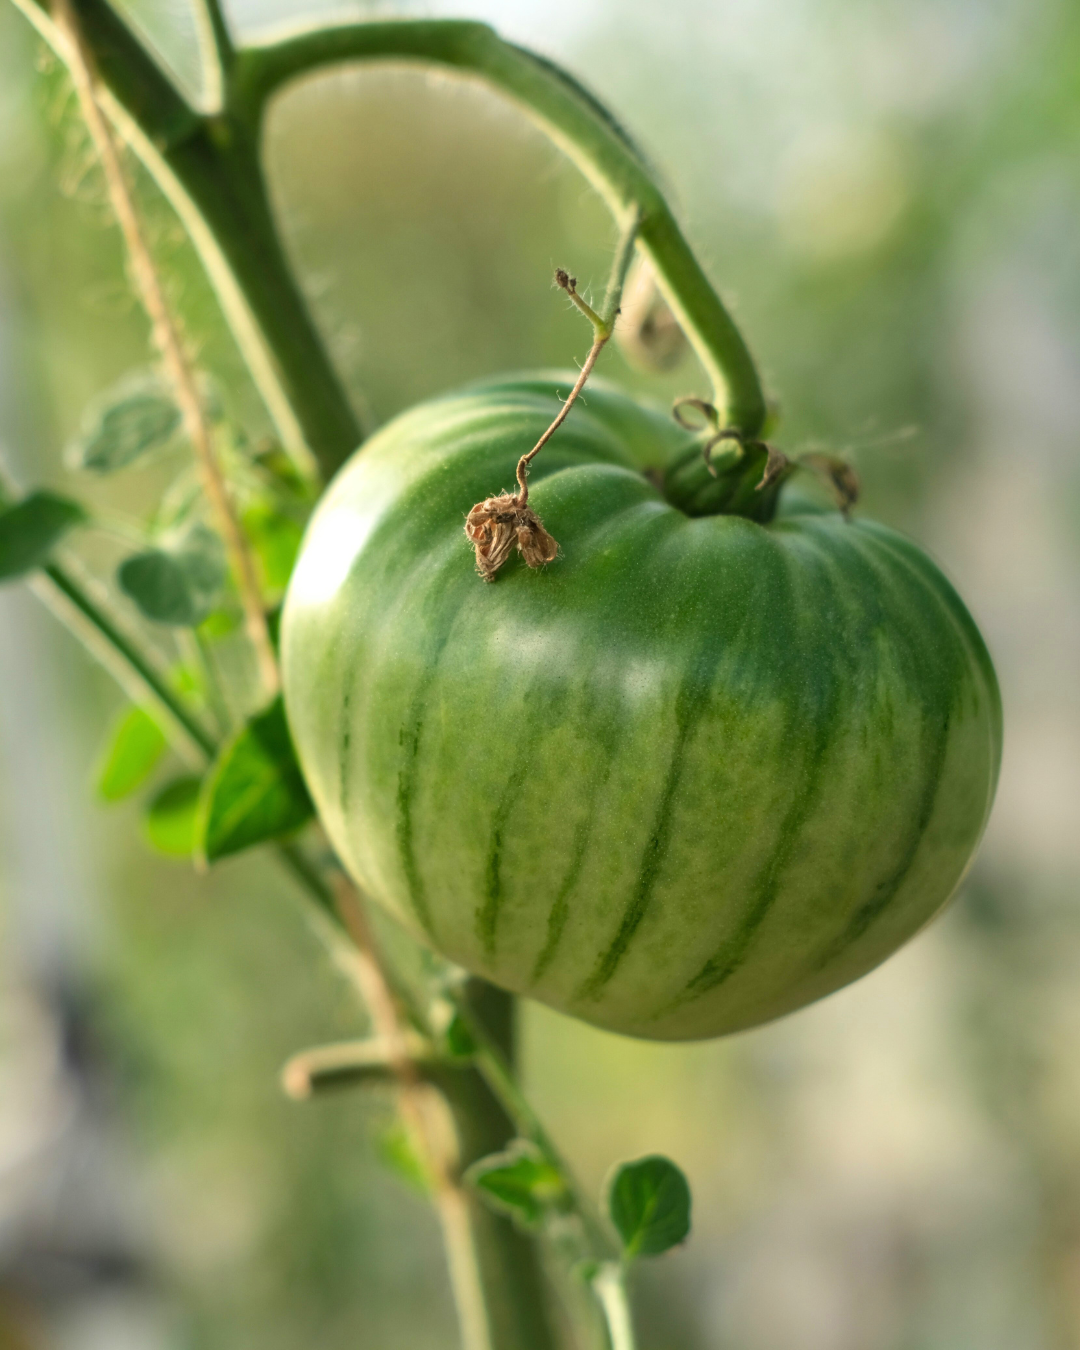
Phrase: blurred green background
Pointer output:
(889, 194)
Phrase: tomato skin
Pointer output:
(695, 774)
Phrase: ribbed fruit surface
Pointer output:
(691, 776)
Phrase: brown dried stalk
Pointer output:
(169, 343)
(498, 525)
(425, 1114)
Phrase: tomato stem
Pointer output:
(578, 124)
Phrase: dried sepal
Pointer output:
(837, 474)
(776, 465)
(498, 525)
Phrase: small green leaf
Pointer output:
(276, 540)
(133, 750)
(649, 1204)
(133, 419)
(255, 791)
(170, 818)
(178, 586)
(519, 1183)
(31, 529)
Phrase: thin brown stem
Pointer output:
(169, 343)
(598, 346)
(498, 525)
(603, 327)
(425, 1116)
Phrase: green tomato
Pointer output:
(694, 774)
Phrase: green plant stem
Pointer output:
(216, 49)
(208, 167)
(624, 255)
(199, 654)
(70, 597)
(516, 1294)
(575, 121)
(609, 1285)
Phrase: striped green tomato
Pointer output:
(696, 773)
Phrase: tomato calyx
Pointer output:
(745, 477)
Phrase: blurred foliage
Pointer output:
(889, 192)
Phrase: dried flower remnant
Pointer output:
(499, 525)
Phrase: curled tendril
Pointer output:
(707, 410)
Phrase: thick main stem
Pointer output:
(608, 1283)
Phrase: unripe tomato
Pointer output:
(694, 774)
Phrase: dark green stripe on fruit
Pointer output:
(889, 886)
(560, 906)
(487, 915)
(409, 739)
(690, 705)
(410, 736)
(344, 746)
(733, 952)
(603, 721)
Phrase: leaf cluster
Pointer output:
(647, 1202)
(177, 581)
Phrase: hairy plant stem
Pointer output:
(168, 341)
(424, 1114)
(208, 167)
(70, 597)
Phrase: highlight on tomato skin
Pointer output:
(693, 774)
